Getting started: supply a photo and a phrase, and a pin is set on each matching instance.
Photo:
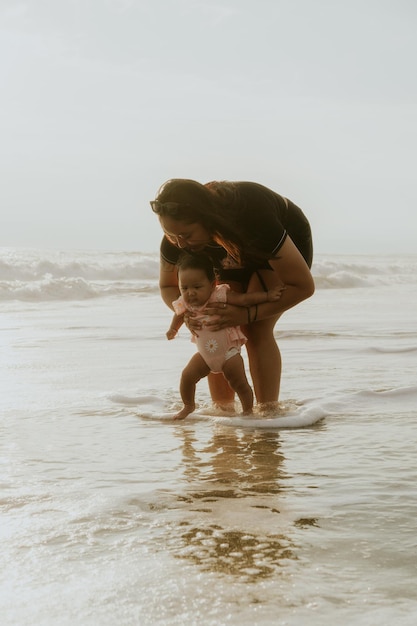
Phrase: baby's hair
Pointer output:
(197, 261)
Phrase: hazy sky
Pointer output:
(103, 100)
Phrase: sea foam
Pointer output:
(36, 275)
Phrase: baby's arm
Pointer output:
(255, 297)
(176, 323)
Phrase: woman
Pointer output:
(257, 240)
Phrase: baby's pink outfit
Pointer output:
(214, 346)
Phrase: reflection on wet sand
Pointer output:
(232, 503)
(241, 554)
(244, 461)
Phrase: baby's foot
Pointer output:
(186, 410)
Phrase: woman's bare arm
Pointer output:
(168, 283)
(290, 269)
(255, 297)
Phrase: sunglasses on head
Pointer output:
(167, 208)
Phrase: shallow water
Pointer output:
(109, 517)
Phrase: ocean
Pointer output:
(111, 513)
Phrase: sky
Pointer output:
(104, 100)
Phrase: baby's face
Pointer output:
(195, 287)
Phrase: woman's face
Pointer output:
(192, 237)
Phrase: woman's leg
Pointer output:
(221, 392)
(264, 360)
(263, 352)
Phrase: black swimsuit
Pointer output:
(264, 219)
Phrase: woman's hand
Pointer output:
(226, 315)
(193, 324)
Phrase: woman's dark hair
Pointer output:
(185, 200)
(215, 206)
(197, 261)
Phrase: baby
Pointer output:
(218, 351)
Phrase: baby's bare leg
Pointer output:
(234, 371)
(196, 369)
